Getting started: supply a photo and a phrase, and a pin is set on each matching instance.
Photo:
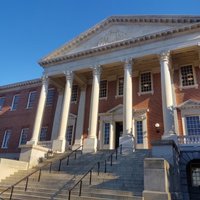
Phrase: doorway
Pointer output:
(118, 132)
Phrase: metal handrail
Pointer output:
(98, 169)
(40, 171)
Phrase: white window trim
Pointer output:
(75, 102)
(47, 96)
(21, 136)
(29, 96)
(117, 92)
(181, 87)
(11, 109)
(148, 92)
(104, 98)
(4, 137)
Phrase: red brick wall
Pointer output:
(185, 94)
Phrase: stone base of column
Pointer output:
(127, 141)
(77, 144)
(32, 154)
(152, 195)
(171, 137)
(31, 142)
(90, 145)
(59, 146)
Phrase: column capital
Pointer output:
(68, 75)
(128, 61)
(45, 79)
(164, 56)
(97, 70)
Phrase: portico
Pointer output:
(114, 52)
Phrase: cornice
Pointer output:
(20, 84)
(124, 43)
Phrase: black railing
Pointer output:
(39, 170)
(80, 181)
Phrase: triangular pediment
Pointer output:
(189, 104)
(120, 28)
(116, 110)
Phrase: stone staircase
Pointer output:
(123, 180)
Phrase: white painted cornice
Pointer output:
(23, 84)
(189, 104)
(190, 23)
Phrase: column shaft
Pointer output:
(167, 98)
(128, 99)
(80, 118)
(40, 111)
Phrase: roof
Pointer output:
(186, 23)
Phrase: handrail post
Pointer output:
(80, 189)
(39, 175)
(11, 192)
(59, 165)
(98, 167)
(90, 177)
(116, 151)
(67, 160)
(75, 155)
(69, 195)
(26, 186)
(120, 149)
(50, 167)
(111, 159)
(105, 167)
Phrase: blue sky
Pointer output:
(30, 29)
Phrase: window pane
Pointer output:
(50, 97)
(15, 102)
(187, 76)
(139, 129)
(24, 136)
(6, 139)
(120, 86)
(145, 79)
(193, 125)
(31, 99)
(195, 175)
(69, 134)
(2, 100)
(106, 133)
(43, 134)
(74, 93)
(103, 89)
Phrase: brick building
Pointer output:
(128, 75)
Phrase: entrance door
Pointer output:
(193, 171)
(118, 132)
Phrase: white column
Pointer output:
(60, 142)
(90, 144)
(80, 118)
(127, 99)
(57, 114)
(167, 96)
(40, 111)
(112, 136)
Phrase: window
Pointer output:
(6, 139)
(74, 93)
(31, 99)
(15, 102)
(195, 174)
(193, 125)
(139, 129)
(145, 82)
(24, 136)
(2, 100)
(69, 134)
(187, 75)
(103, 89)
(43, 134)
(106, 133)
(120, 86)
(50, 96)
